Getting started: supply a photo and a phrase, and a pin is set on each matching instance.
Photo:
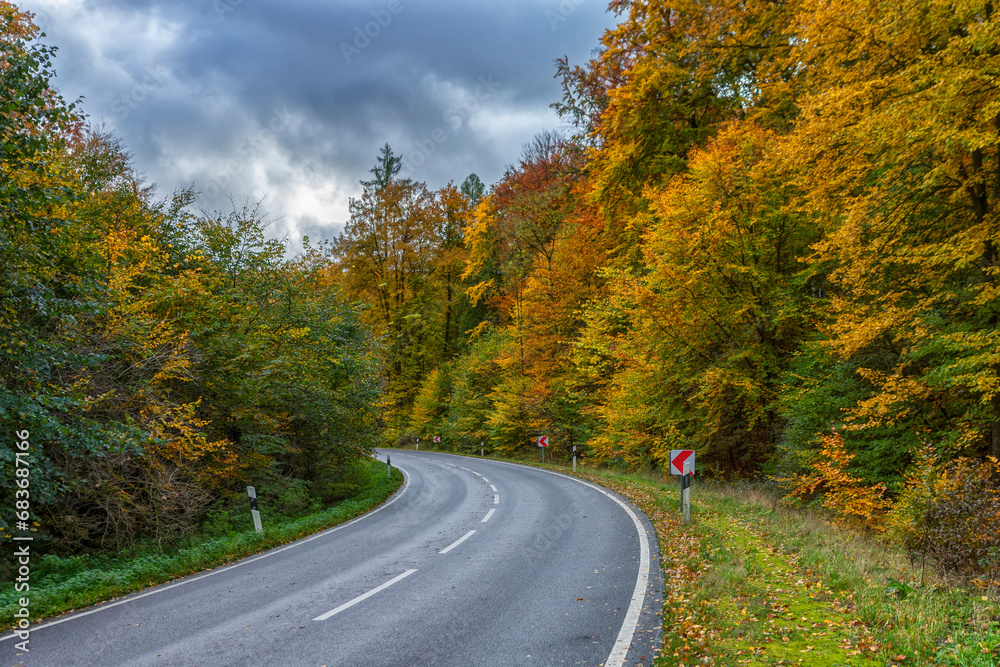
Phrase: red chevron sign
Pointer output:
(677, 459)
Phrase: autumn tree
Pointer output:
(717, 314)
(514, 247)
(456, 209)
(899, 133)
(388, 251)
(663, 80)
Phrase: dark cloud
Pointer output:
(294, 99)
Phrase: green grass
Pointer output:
(754, 581)
(60, 584)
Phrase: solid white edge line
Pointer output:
(456, 543)
(225, 568)
(488, 515)
(365, 596)
(624, 640)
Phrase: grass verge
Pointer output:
(62, 584)
(751, 581)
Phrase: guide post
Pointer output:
(686, 493)
(682, 463)
(253, 509)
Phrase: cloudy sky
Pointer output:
(294, 98)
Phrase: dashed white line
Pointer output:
(485, 480)
(464, 468)
(494, 488)
(346, 605)
(496, 499)
(488, 515)
(456, 543)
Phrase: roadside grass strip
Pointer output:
(751, 584)
(778, 614)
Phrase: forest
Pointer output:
(770, 236)
(768, 233)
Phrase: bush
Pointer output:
(958, 512)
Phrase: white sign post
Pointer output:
(682, 463)
(686, 493)
(253, 509)
(543, 442)
(418, 444)
(574, 458)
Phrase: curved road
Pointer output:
(472, 562)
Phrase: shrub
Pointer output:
(960, 525)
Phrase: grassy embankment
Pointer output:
(752, 581)
(59, 584)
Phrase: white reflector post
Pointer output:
(253, 509)
(686, 492)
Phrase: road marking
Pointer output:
(475, 473)
(496, 499)
(485, 480)
(455, 544)
(225, 568)
(464, 468)
(624, 640)
(488, 515)
(494, 488)
(347, 605)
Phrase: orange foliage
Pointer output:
(843, 493)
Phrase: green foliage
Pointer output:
(49, 282)
(159, 360)
(475, 377)
(431, 405)
(818, 391)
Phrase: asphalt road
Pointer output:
(472, 562)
